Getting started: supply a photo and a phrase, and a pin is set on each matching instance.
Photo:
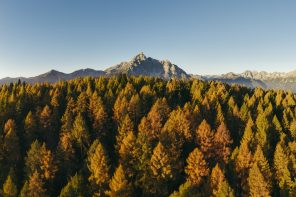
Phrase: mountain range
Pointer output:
(141, 65)
(266, 80)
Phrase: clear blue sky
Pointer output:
(202, 37)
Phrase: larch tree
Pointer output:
(216, 180)
(192, 114)
(124, 128)
(74, 187)
(80, 133)
(82, 103)
(119, 185)
(67, 159)
(66, 146)
(48, 165)
(128, 153)
(276, 124)
(293, 129)
(32, 160)
(161, 172)
(282, 173)
(277, 130)
(244, 112)
(263, 165)
(287, 118)
(220, 118)
(155, 120)
(143, 154)
(243, 163)
(174, 144)
(134, 108)
(223, 143)
(205, 139)
(98, 165)
(187, 190)
(160, 163)
(197, 168)
(147, 95)
(120, 109)
(30, 128)
(41, 160)
(68, 116)
(206, 108)
(25, 190)
(263, 129)
(57, 102)
(98, 115)
(11, 144)
(9, 188)
(36, 186)
(257, 183)
(225, 190)
(178, 123)
(47, 126)
(248, 136)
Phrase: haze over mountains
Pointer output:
(147, 66)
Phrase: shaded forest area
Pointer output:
(140, 136)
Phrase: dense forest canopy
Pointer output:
(141, 136)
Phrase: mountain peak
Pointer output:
(229, 75)
(140, 57)
(141, 65)
(53, 73)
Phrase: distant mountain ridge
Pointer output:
(252, 79)
(54, 76)
(139, 65)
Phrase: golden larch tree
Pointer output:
(9, 188)
(196, 168)
(223, 142)
(205, 139)
(216, 180)
(98, 166)
(160, 163)
(36, 186)
(124, 128)
(257, 184)
(119, 185)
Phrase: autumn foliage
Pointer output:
(141, 136)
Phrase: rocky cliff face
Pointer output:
(141, 65)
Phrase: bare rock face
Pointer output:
(140, 65)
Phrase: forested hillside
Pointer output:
(140, 136)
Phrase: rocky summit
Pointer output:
(147, 66)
